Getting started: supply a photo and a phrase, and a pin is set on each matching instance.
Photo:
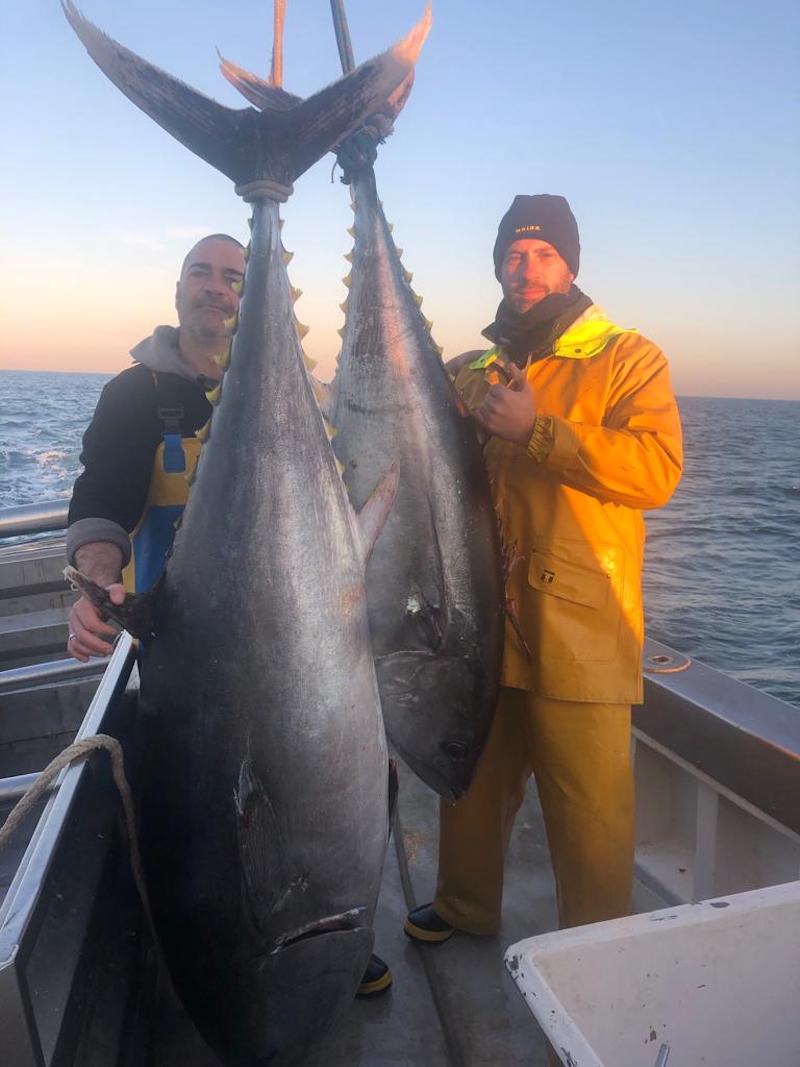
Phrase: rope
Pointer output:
(278, 19)
(358, 152)
(342, 32)
(264, 189)
(81, 750)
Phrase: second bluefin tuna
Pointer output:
(435, 579)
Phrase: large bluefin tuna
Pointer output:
(264, 808)
(434, 581)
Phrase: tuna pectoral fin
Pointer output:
(134, 614)
(373, 515)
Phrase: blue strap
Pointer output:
(170, 417)
(152, 544)
(174, 458)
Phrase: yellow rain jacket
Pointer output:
(606, 445)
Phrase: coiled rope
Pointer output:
(74, 753)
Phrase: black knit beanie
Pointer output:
(544, 218)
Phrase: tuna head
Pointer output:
(430, 685)
(280, 1004)
(427, 707)
(323, 966)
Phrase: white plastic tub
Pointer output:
(718, 983)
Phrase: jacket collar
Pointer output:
(586, 337)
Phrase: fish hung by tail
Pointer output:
(264, 806)
(275, 145)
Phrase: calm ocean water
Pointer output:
(722, 577)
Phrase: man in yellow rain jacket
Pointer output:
(582, 434)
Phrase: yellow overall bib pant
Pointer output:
(579, 755)
(173, 465)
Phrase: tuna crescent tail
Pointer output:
(278, 144)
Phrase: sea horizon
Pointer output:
(679, 396)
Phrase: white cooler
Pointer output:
(714, 984)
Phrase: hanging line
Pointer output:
(278, 20)
(342, 32)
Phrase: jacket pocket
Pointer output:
(575, 600)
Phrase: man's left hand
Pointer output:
(508, 411)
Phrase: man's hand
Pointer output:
(100, 561)
(508, 411)
(87, 629)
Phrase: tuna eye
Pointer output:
(456, 750)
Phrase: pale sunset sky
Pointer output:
(671, 127)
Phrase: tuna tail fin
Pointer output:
(278, 144)
(134, 614)
(260, 92)
(266, 96)
(372, 517)
(397, 101)
(263, 94)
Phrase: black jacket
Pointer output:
(118, 450)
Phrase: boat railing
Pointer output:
(24, 520)
(717, 767)
(46, 916)
(54, 672)
(35, 598)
